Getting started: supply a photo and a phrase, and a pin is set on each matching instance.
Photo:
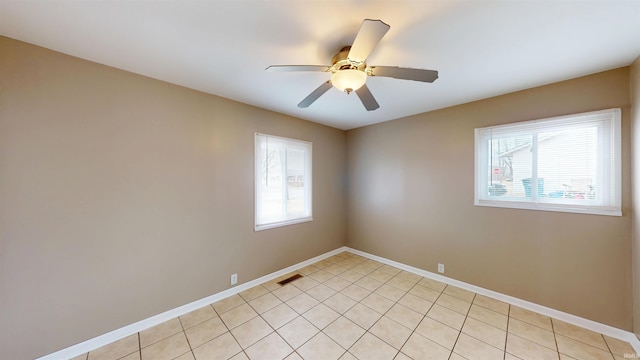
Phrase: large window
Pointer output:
(283, 181)
(569, 163)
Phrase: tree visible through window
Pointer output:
(282, 181)
(569, 163)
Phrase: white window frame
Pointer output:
(609, 172)
(261, 223)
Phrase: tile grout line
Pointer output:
(226, 326)
(272, 328)
(396, 302)
(555, 337)
(608, 347)
(421, 320)
(322, 302)
(506, 335)
(361, 303)
(357, 302)
(302, 315)
(461, 326)
(185, 336)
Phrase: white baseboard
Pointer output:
(108, 338)
(102, 340)
(560, 315)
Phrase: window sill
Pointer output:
(276, 224)
(591, 210)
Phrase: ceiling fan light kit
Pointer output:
(349, 71)
(348, 80)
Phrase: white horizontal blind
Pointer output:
(569, 163)
(282, 181)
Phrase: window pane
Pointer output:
(567, 163)
(295, 182)
(272, 197)
(509, 166)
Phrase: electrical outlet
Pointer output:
(234, 279)
(441, 268)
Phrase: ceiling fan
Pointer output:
(349, 71)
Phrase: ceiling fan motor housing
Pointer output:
(347, 75)
(341, 61)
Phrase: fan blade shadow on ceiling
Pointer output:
(315, 94)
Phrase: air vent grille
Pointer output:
(289, 279)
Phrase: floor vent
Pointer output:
(290, 279)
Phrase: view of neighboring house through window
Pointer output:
(569, 163)
(282, 181)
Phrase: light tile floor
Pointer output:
(351, 307)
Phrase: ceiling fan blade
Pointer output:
(283, 68)
(369, 35)
(367, 98)
(404, 73)
(315, 95)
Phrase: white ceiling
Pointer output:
(480, 48)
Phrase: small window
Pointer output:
(569, 163)
(282, 180)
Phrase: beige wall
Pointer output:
(635, 140)
(411, 200)
(123, 197)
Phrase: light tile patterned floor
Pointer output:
(350, 307)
